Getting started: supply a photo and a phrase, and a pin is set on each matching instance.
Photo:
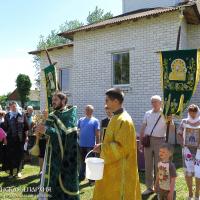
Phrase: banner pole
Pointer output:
(181, 16)
(49, 59)
(177, 48)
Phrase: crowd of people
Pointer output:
(67, 140)
(17, 126)
(160, 172)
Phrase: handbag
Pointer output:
(146, 138)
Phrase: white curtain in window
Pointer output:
(64, 79)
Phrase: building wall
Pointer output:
(93, 62)
(193, 38)
(184, 33)
(64, 59)
(131, 5)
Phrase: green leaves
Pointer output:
(98, 15)
(23, 84)
(53, 39)
(3, 100)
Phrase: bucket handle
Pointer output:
(90, 152)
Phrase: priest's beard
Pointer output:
(58, 107)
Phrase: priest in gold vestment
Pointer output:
(120, 180)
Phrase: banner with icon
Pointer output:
(180, 73)
(51, 84)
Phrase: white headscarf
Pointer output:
(19, 109)
(191, 120)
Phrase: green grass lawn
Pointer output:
(18, 189)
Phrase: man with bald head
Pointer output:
(89, 132)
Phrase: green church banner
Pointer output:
(51, 84)
(180, 72)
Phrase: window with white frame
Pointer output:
(64, 79)
(121, 68)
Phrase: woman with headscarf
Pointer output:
(16, 127)
(189, 137)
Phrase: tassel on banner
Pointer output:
(167, 106)
(180, 107)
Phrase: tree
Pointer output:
(70, 25)
(36, 61)
(3, 100)
(54, 40)
(98, 15)
(23, 83)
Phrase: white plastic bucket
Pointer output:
(94, 168)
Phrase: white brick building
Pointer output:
(129, 41)
(130, 5)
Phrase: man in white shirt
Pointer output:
(154, 125)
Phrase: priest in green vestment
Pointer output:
(60, 170)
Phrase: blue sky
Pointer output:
(23, 21)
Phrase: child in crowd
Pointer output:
(166, 175)
(189, 138)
